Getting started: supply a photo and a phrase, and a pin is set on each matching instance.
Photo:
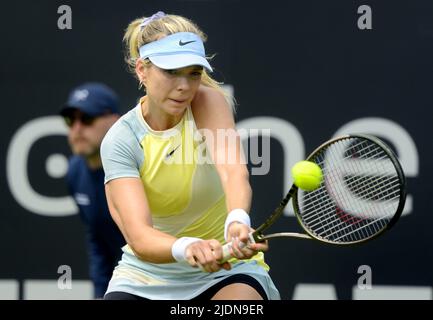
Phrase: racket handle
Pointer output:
(226, 253)
(226, 249)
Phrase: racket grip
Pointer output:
(226, 248)
(226, 251)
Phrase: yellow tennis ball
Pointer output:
(307, 175)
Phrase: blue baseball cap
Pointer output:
(92, 98)
(178, 50)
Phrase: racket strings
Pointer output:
(363, 188)
(359, 193)
(346, 222)
(357, 183)
(325, 215)
(361, 232)
(389, 194)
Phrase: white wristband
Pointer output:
(238, 215)
(179, 246)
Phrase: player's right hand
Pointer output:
(206, 254)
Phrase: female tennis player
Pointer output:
(168, 187)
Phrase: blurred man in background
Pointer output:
(89, 112)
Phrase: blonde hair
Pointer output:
(137, 36)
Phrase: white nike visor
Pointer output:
(178, 50)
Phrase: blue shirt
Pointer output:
(104, 240)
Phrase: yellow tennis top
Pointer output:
(182, 185)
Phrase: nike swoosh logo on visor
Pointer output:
(181, 43)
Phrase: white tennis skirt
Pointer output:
(178, 281)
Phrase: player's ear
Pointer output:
(141, 70)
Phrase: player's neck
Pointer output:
(156, 118)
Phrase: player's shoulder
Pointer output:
(122, 126)
(126, 129)
(124, 137)
(209, 97)
(210, 105)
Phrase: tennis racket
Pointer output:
(362, 194)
